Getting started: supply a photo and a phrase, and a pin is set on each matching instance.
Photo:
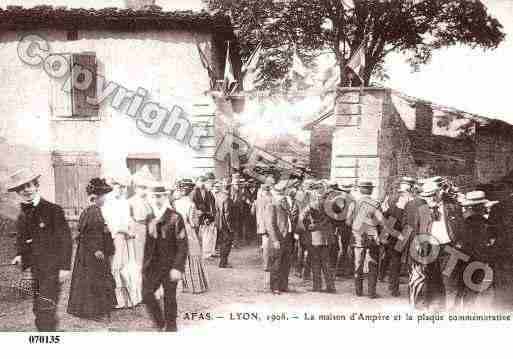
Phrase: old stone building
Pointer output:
(135, 53)
(382, 134)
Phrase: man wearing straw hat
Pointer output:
(476, 243)
(395, 209)
(43, 245)
(165, 254)
(426, 285)
(367, 216)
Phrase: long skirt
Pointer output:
(195, 277)
(139, 240)
(126, 272)
(208, 235)
(92, 286)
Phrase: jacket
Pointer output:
(43, 237)
(166, 243)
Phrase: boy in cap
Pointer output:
(43, 244)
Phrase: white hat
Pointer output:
(474, 198)
(429, 189)
(404, 187)
(20, 178)
(143, 177)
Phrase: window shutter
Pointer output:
(65, 188)
(60, 93)
(87, 62)
(72, 174)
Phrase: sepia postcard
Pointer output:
(333, 170)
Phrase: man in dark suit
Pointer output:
(224, 223)
(43, 245)
(204, 201)
(165, 253)
(281, 217)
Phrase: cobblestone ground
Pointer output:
(233, 290)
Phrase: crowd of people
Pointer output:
(142, 248)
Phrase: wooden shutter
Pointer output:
(66, 189)
(72, 174)
(81, 108)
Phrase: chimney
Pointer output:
(138, 4)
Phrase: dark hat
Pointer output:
(158, 188)
(315, 185)
(186, 183)
(210, 176)
(98, 186)
(346, 187)
(365, 184)
(21, 177)
(202, 179)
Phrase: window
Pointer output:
(72, 35)
(69, 95)
(152, 161)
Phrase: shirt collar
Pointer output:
(36, 200)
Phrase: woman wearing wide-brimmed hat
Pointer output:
(140, 211)
(116, 212)
(195, 275)
(92, 285)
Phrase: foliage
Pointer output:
(413, 27)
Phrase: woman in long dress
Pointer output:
(116, 212)
(195, 276)
(92, 285)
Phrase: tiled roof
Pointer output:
(152, 18)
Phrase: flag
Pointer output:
(357, 62)
(347, 4)
(229, 75)
(330, 78)
(206, 65)
(297, 66)
(249, 71)
(251, 63)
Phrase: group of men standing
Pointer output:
(448, 242)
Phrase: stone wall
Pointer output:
(494, 154)
(380, 136)
(321, 141)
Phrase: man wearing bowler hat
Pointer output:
(43, 245)
(281, 219)
(366, 217)
(165, 253)
(224, 223)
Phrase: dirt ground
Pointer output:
(240, 287)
